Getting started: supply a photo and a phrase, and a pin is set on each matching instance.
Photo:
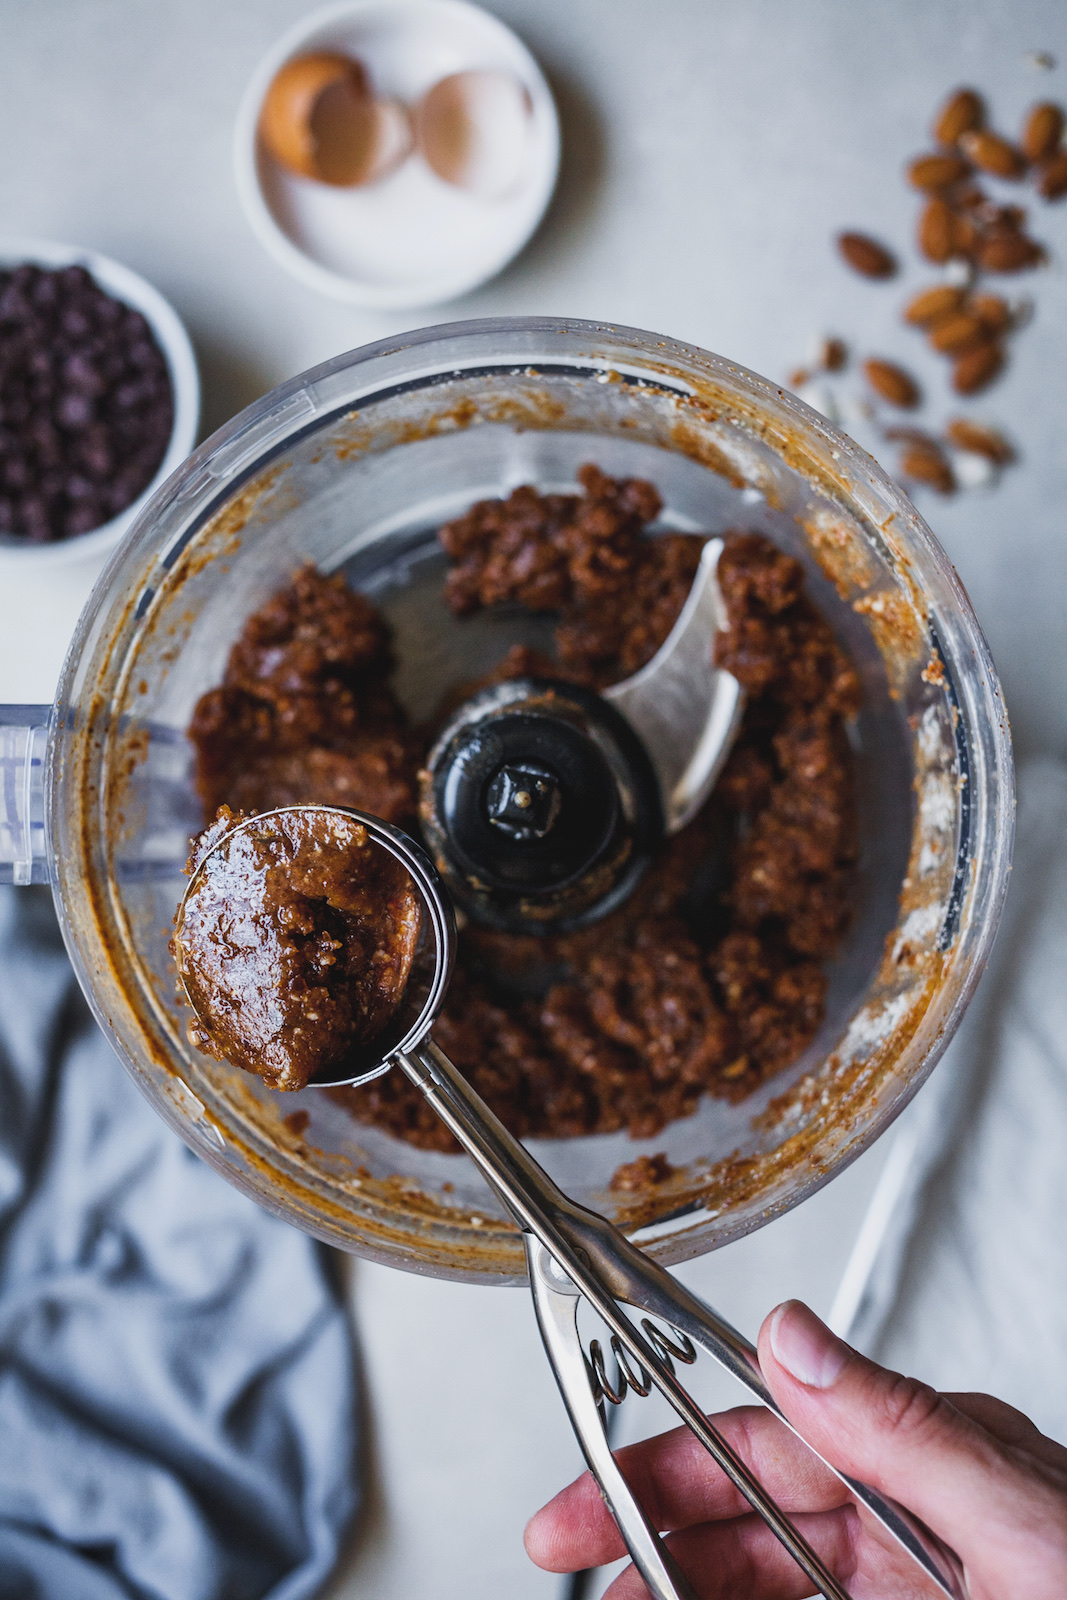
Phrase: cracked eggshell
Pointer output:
(474, 130)
(320, 120)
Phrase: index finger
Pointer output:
(678, 1485)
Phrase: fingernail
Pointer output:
(805, 1347)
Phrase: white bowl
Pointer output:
(172, 339)
(409, 239)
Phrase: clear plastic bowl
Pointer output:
(354, 465)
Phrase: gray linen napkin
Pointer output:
(960, 1275)
(177, 1393)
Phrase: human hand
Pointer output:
(974, 1469)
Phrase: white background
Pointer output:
(711, 151)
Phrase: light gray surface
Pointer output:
(711, 151)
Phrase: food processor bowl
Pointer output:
(354, 465)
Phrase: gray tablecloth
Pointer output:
(177, 1399)
(962, 1276)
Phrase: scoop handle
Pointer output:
(23, 746)
(606, 1268)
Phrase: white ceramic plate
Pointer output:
(410, 239)
(173, 340)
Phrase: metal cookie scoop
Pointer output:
(574, 1252)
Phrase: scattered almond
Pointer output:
(925, 462)
(964, 230)
(1052, 183)
(937, 172)
(951, 336)
(865, 255)
(980, 440)
(930, 305)
(977, 368)
(969, 197)
(1006, 250)
(798, 378)
(892, 383)
(833, 355)
(990, 309)
(965, 236)
(960, 113)
(908, 435)
(936, 231)
(993, 154)
(1042, 132)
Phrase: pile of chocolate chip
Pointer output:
(86, 407)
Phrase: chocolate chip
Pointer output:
(75, 322)
(80, 373)
(45, 291)
(76, 280)
(98, 460)
(85, 517)
(74, 410)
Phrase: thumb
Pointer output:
(899, 1435)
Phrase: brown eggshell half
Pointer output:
(317, 118)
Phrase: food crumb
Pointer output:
(642, 1173)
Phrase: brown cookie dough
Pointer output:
(294, 942)
(708, 978)
(305, 711)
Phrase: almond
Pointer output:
(979, 440)
(929, 305)
(925, 462)
(1042, 132)
(970, 197)
(960, 113)
(993, 154)
(866, 255)
(833, 355)
(977, 368)
(909, 435)
(1005, 250)
(1053, 179)
(935, 231)
(937, 172)
(953, 335)
(964, 236)
(992, 310)
(892, 383)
